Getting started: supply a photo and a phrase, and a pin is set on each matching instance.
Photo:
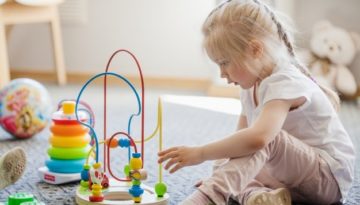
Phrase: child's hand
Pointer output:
(180, 157)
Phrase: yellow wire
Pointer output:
(157, 130)
(151, 136)
(160, 136)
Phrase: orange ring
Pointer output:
(69, 130)
(75, 141)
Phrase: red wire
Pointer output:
(108, 154)
(142, 102)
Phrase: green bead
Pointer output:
(136, 182)
(18, 198)
(87, 166)
(84, 184)
(160, 189)
(127, 170)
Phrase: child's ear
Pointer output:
(256, 48)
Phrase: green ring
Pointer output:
(68, 153)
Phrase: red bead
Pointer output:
(96, 198)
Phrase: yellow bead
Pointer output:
(136, 163)
(96, 193)
(68, 107)
(96, 187)
(97, 165)
(136, 175)
(137, 199)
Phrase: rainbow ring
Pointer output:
(69, 130)
(75, 141)
(65, 166)
(68, 153)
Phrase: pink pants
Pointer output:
(285, 162)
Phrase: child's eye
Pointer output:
(223, 63)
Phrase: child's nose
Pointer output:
(222, 74)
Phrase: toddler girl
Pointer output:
(290, 145)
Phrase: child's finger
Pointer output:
(168, 156)
(167, 151)
(198, 183)
(176, 167)
(171, 162)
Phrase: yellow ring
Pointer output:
(68, 130)
(76, 141)
(68, 153)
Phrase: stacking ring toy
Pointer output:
(76, 141)
(65, 166)
(68, 153)
(68, 130)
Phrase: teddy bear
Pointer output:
(332, 50)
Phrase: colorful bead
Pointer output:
(124, 142)
(85, 172)
(160, 189)
(84, 184)
(113, 143)
(127, 170)
(136, 191)
(135, 161)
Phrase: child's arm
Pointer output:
(242, 123)
(251, 139)
(244, 142)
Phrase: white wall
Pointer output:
(165, 35)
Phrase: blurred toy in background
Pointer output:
(25, 107)
(22, 199)
(12, 166)
(332, 50)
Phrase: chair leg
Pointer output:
(4, 61)
(58, 49)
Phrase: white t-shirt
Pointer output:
(316, 123)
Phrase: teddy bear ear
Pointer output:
(321, 25)
(356, 39)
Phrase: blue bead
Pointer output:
(136, 155)
(136, 191)
(85, 175)
(124, 142)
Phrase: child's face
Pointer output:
(236, 74)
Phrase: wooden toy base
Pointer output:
(118, 194)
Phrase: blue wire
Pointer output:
(78, 99)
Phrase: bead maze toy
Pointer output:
(69, 144)
(96, 187)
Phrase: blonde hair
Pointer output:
(230, 26)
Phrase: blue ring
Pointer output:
(65, 166)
